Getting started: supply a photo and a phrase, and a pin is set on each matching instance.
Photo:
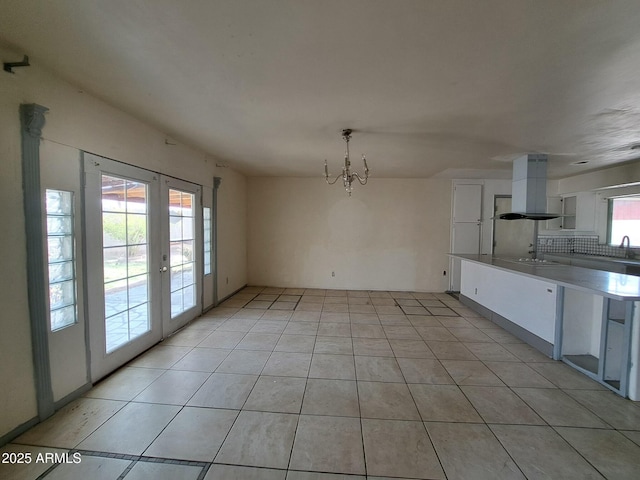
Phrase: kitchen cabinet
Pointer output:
(578, 212)
(554, 205)
(569, 209)
(590, 319)
(528, 302)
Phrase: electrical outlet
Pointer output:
(227, 280)
(333, 274)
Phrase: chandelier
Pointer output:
(347, 176)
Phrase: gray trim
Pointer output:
(604, 330)
(233, 293)
(19, 430)
(214, 239)
(626, 349)
(516, 330)
(557, 346)
(205, 310)
(85, 270)
(31, 121)
(77, 393)
(475, 306)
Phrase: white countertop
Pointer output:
(613, 285)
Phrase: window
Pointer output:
(206, 215)
(125, 250)
(61, 259)
(624, 219)
(182, 259)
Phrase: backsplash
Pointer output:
(584, 244)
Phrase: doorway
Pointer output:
(511, 238)
(144, 259)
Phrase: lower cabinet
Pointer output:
(597, 335)
(523, 300)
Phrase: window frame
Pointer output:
(72, 259)
(610, 208)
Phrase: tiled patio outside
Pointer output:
(304, 384)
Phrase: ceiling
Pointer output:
(444, 88)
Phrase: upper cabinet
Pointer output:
(554, 205)
(569, 212)
(578, 212)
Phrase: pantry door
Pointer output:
(143, 245)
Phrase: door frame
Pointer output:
(103, 363)
(495, 212)
(169, 324)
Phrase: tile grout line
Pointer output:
(555, 429)
(546, 423)
(289, 321)
(422, 421)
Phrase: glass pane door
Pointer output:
(125, 219)
(183, 237)
(181, 246)
(144, 259)
(122, 205)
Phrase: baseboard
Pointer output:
(72, 396)
(230, 295)
(19, 430)
(16, 432)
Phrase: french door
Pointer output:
(182, 253)
(143, 243)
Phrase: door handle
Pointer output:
(163, 269)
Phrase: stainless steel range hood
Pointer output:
(529, 189)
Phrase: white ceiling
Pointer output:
(431, 87)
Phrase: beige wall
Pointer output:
(391, 234)
(17, 396)
(81, 122)
(232, 232)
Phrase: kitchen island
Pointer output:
(587, 318)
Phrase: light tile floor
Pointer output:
(307, 384)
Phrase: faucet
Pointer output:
(627, 253)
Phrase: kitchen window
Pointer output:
(624, 219)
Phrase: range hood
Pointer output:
(529, 189)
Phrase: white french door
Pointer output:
(143, 243)
(182, 253)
